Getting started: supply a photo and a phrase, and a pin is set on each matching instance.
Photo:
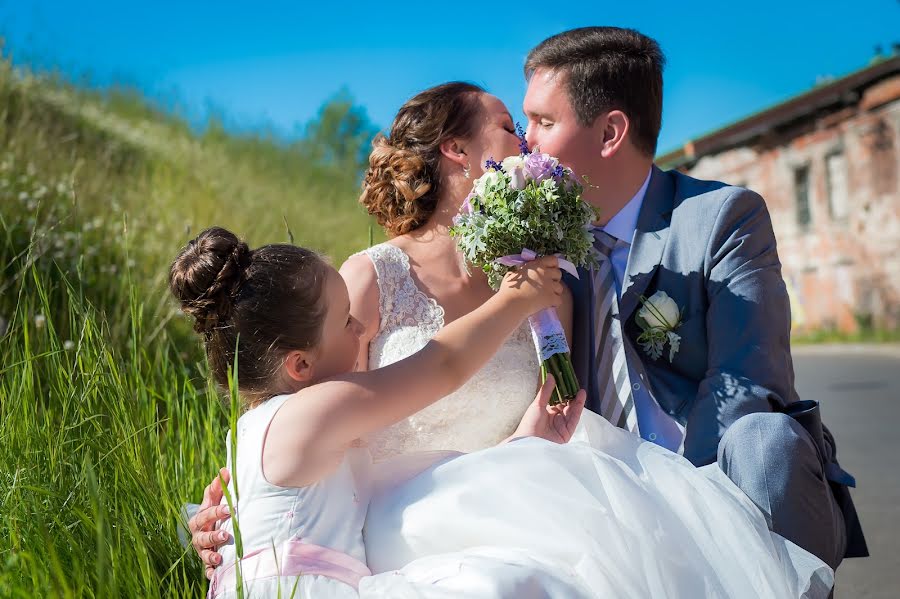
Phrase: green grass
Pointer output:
(107, 422)
(864, 335)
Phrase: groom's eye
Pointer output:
(546, 124)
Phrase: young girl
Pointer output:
(283, 315)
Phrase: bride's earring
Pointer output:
(466, 171)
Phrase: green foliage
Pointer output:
(546, 216)
(341, 135)
(107, 421)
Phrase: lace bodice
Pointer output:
(482, 412)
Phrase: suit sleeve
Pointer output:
(748, 321)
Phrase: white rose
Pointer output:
(510, 163)
(660, 311)
(486, 180)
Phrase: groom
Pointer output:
(726, 392)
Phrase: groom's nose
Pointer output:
(532, 137)
(529, 137)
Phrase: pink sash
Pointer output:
(297, 557)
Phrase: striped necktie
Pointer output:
(610, 366)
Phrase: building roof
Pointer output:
(830, 96)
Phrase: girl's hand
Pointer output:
(534, 286)
(554, 423)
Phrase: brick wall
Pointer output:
(841, 255)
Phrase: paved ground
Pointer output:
(859, 388)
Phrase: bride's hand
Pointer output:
(554, 423)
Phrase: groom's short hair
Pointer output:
(608, 68)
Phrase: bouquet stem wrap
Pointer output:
(550, 337)
(553, 351)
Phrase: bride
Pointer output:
(407, 289)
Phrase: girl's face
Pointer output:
(338, 347)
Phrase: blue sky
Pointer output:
(275, 63)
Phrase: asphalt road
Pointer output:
(859, 388)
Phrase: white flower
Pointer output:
(514, 166)
(658, 318)
(68, 345)
(511, 163)
(486, 180)
(517, 179)
(39, 321)
(660, 311)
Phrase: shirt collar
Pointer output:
(623, 224)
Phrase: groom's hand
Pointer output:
(554, 423)
(204, 536)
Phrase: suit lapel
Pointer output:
(649, 241)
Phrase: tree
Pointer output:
(341, 134)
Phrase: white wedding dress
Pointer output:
(607, 515)
(484, 411)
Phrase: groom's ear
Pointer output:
(612, 130)
(452, 150)
(298, 365)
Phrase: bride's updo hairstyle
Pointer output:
(403, 183)
(261, 303)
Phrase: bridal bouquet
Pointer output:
(523, 207)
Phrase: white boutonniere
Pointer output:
(658, 318)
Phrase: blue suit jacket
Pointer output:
(712, 249)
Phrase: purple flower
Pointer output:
(540, 166)
(492, 165)
(523, 143)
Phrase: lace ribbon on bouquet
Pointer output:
(548, 333)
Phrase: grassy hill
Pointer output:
(107, 423)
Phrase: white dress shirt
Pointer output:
(654, 424)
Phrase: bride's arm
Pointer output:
(365, 301)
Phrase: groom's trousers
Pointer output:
(775, 461)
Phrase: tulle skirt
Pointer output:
(606, 515)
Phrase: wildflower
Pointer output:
(40, 321)
(523, 143)
(68, 345)
(492, 165)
